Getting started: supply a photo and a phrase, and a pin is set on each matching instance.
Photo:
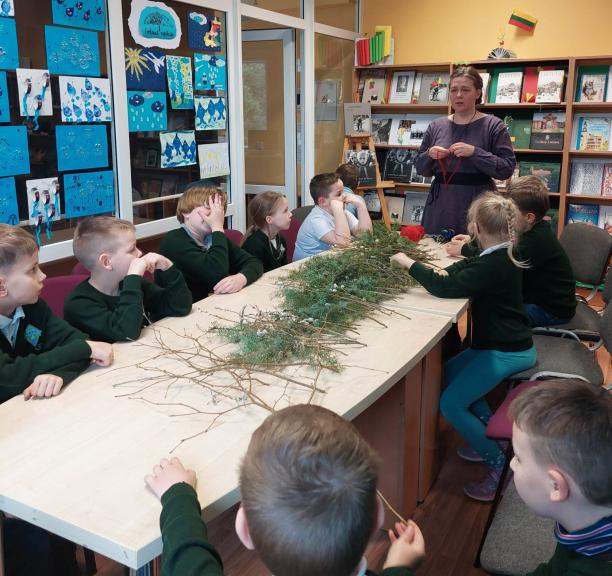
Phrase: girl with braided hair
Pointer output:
(501, 336)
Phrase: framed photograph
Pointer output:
(169, 186)
(151, 158)
(401, 87)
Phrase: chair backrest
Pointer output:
(607, 291)
(588, 248)
(234, 235)
(290, 236)
(300, 213)
(56, 289)
(80, 270)
(605, 328)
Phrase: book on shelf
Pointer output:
(402, 86)
(357, 118)
(549, 172)
(501, 184)
(365, 161)
(409, 131)
(593, 133)
(381, 128)
(434, 88)
(585, 213)
(547, 130)
(591, 85)
(530, 82)
(606, 180)
(418, 179)
(387, 33)
(550, 86)
(605, 218)
(373, 86)
(416, 91)
(508, 89)
(486, 77)
(519, 129)
(609, 86)
(586, 178)
(399, 165)
(414, 206)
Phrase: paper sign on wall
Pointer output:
(154, 24)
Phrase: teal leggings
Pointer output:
(469, 376)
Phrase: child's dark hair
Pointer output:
(308, 488)
(321, 184)
(349, 174)
(530, 194)
(569, 424)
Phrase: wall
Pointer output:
(468, 29)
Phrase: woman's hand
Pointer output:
(437, 152)
(461, 149)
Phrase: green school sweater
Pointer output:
(493, 282)
(203, 268)
(549, 281)
(186, 550)
(45, 344)
(258, 244)
(566, 562)
(118, 318)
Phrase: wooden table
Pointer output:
(74, 464)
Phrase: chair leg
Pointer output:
(90, 562)
(498, 495)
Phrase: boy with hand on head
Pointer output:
(562, 439)
(116, 301)
(209, 261)
(349, 174)
(39, 352)
(309, 505)
(329, 223)
(548, 284)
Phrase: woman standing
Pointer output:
(464, 152)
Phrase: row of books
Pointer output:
(591, 214)
(549, 172)
(594, 84)
(403, 87)
(593, 133)
(541, 84)
(375, 49)
(591, 178)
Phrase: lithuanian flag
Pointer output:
(523, 20)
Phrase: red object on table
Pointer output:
(413, 232)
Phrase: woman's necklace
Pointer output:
(277, 250)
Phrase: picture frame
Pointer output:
(151, 158)
(401, 87)
(169, 186)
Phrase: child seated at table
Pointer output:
(309, 505)
(269, 214)
(349, 174)
(549, 288)
(209, 261)
(329, 223)
(116, 301)
(39, 352)
(501, 336)
(562, 439)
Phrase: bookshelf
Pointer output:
(573, 111)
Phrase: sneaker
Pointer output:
(485, 489)
(469, 454)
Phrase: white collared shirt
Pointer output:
(496, 248)
(9, 326)
(204, 245)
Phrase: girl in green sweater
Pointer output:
(501, 337)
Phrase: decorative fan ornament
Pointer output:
(500, 52)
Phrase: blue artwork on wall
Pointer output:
(145, 69)
(9, 53)
(14, 151)
(210, 72)
(72, 51)
(177, 148)
(85, 99)
(81, 146)
(89, 193)
(7, 8)
(5, 111)
(210, 113)
(147, 111)
(180, 81)
(204, 31)
(9, 213)
(89, 14)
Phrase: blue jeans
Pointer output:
(540, 317)
(470, 376)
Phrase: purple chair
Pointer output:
(80, 270)
(56, 289)
(234, 235)
(290, 237)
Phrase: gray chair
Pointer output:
(518, 540)
(588, 249)
(301, 212)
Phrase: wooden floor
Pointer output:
(451, 523)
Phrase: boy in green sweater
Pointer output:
(209, 261)
(548, 284)
(562, 439)
(309, 505)
(116, 301)
(39, 352)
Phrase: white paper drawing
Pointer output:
(34, 91)
(214, 160)
(85, 99)
(154, 24)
